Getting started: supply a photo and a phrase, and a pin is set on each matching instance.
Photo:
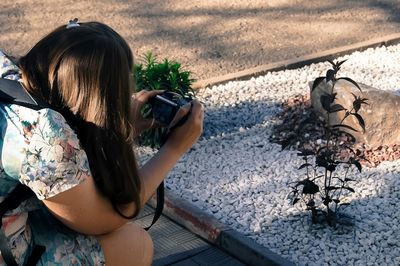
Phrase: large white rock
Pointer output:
(381, 115)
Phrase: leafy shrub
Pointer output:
(327, 174)
(166, 75)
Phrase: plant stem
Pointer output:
(341, 188)
(345, 116)
(328, 178)
(328, 126)
(325, 183)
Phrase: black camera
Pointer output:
(166, 105)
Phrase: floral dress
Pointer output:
(40, 150)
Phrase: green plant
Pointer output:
(166, 75)
(327, 174)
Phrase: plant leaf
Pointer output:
(331, 62)
(326, 201)
(336, 108)
(330, 75)
(316, 82)
(356, 164)
(166, 75)
(311, 203)
(360, 120)
(336, 177)
(332, 188)
(304, 165)
(321, 161)
(345, 126)
(326, 101)
(331, 167)
(295, 201)
(349, 189)
(356, 103)
(351, 81)
(309, 187)
(340, 63)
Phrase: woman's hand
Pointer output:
(138, 100)
(183, 137)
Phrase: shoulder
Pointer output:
(44, 124)
(52, 132)
(53, 124)
(54, 160)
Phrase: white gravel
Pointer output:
(237, 175)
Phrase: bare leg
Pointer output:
(129, 245)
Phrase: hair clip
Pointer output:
(73, 23)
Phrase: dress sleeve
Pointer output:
(8, 69)
(54, 160)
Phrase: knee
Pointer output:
(148, 246)
(127, 245)
(139, 242)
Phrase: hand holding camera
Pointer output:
(182, 117)
(182, 137)
(170, 109)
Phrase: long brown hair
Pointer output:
(85, 73)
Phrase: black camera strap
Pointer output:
(160, 190)
(160, 205)
(12, 91)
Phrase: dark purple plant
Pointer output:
(327, 177)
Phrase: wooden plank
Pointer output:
(164, 227)
(171, 239)
(210, 257)
(215, 256)
(188, 262)
(178, 257)
(147, 210)
(174, 245)
(191, 217)
(183, 241)
(237, 245)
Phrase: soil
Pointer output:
(210, 38)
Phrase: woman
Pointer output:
(77, 156)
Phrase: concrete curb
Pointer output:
(299, 61)
(210, 229)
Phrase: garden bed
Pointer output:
(237, 174)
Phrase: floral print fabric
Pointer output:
(53, 159)
(40, 150)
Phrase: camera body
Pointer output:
(166, 105)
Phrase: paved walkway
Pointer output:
(174, 245)
(210, 38)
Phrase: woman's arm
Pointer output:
(179, 141)
(84, 209)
